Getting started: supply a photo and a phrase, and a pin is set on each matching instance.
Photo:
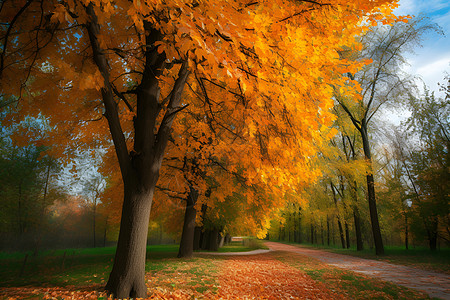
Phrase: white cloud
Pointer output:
(433, 72)
(432, 60)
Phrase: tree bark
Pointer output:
(197, 238)
(227, 238)
(406, 231)
(341, 231)
(205, 240)
(221, 240)
(432, 233)
(211, 240)
(140, 167)
(347, 235)
(328, 231)
(299, 226)
(127, 278)
(357, 220)
(187, 237)
(376, 231)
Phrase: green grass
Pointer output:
(66, 267)
(248, 244)
(198, 277)
(419, 257)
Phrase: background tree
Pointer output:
(428, 163)
(381, 82)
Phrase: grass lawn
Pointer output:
(419, 257)
(241, 246)
(81, 274)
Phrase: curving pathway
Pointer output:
(253, 252)
(434, 284)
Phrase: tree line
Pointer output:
(209, 112)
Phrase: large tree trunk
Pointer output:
(139, 167)
(197, 238)
(213, 240)
(187, 237)
(127, 278)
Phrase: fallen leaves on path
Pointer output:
(263, 277)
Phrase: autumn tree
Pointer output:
(27, 177)
(98, 66)
(382, 83)
(427, 163)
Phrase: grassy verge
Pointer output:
(66, 267)
(422, 258)
(419, 257)
(248, 244)
(353, 285)
(86, 271)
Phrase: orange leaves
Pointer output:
(60, 14)
(91, 81)
(263, 277)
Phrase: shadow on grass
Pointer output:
(67, 267)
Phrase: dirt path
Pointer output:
(434, 284)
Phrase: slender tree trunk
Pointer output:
(406, 231)
(312, 233)
(104, 233)
(295, 227)
(322, 233)
(199, 235)
(328, 231)
(357, 220)
(347, 235)
(432, 233)
(93, 227)
(228, 238)
(221, 240)
(341, 231)
(290, 232)
(300, 240)
(376, 231)
(187, 237)
(20, 213)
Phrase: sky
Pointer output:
(432, 60)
